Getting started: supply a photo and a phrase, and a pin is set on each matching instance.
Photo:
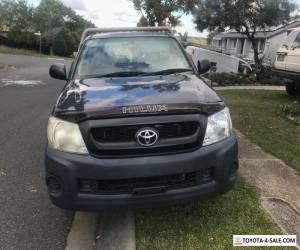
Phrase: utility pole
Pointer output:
(40, 35)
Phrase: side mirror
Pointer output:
(58, 71)
(203, 66)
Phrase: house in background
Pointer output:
(269, 42)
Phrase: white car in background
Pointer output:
(221, 63)
(287, 64)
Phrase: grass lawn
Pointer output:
(9, 50)
(15, 51)
(204, 225)
(257, 115)
(210, 224)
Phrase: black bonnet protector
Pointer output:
(136, 96)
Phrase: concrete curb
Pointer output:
(107, 230)
(257, 87)
(83, 230)
(116, 230)
(277, 183)
(285, 216)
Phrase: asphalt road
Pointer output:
(27, 219)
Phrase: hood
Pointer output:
(99, 97)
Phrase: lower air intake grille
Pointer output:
(167, 182)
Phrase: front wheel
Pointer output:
(292, 89)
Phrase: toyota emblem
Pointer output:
(147, 137)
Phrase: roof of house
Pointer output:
(260, 34)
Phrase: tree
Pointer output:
(245, 16)
(60, 47)
(16, 15)
(53, 13)
(210, 36)
(184, 36)
(51, 17)
(72, 39)
(65, 43)
(163, 12)
(57, 21)
(143, 22)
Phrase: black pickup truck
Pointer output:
(136, 126)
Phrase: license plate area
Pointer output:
(149, 190)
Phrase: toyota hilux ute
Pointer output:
(287, 64)
(136, 126)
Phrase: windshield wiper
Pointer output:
(139, 73)
(120, 74)
(169, 71)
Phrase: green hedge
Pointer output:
(65, 43)
(225, 79)
(265, 77)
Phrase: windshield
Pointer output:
(131, 54)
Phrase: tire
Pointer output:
(292, 89)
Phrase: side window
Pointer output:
(297, 41)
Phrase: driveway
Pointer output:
(27, 219)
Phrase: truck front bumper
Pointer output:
(82, 182)
(286, 74)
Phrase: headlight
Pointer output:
(65, 136)
(219, 127)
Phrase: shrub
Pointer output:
(74, 41)
(291, 111)
(267, 77)
(24, 40)
(65, 43)
(60, 46)
(264, 77)
(225, 79)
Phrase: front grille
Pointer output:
(120, 140)
(127, 133)
(131, 186)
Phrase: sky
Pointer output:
(118, 13)
(121, 13)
